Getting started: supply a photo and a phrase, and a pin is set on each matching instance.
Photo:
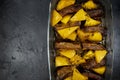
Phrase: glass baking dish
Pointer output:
(108, 40)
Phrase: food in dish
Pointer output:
(79, 36)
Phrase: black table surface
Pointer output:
(23, 39)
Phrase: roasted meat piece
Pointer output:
(92, 46)
(94, 29)
(92, 76)
(64, 72)
(92, 64)
(95, 13)
(70, 9)
(67, 45)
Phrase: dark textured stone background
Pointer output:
(23, 35)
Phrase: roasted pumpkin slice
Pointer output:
(79, 16)
(61, 61)
(89, 55)
(99, 55)
(66, 19)
(99, 70)
(67, 53)
(96, 36)
(72, 36)
(64, 3)
(91, 22)
(82, 35)
(76, 60)
(78, 76)
(89, 5)
(55, 18)
(64, 33)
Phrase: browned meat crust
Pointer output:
(93, 64)
(64, 72)
(94, 29)
(92, 46)
(67, 45)
(95, 13)
(92, 75)
(70, 9)
(98, 18)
